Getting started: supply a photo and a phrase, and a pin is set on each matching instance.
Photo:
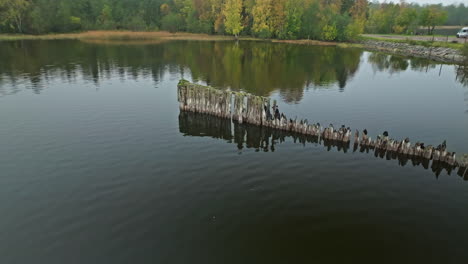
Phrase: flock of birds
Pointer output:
(382, 142)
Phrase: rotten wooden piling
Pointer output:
(257, 110)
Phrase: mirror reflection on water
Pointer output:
(267, 139)
(96, 156)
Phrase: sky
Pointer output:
(445, 2)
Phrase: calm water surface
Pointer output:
(97, 164)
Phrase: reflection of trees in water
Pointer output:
(395, 64)
(462, 74)
(462, 77)
(246, 136)
(256, 67)
(35, 63)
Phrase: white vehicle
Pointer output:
(463, 33)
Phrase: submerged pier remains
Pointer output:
(257, 110)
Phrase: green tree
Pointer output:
(432, 16)
(329, 32)
(294, 10)
(172, 22)
(12, 13)
(105, 18)
(382, 18)
(310, 20)
(406, 21)
(232, 12)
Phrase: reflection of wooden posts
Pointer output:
(265, 139)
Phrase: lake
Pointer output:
(98, 165)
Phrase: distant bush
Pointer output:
(329, 32)
(264, 34)
(136, 23)
(172, 23)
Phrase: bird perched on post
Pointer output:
(347, 135)
(364, 137)
(356, 137)
(428, 152)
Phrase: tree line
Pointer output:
(330, 20)
(406, 18)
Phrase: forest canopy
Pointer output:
(331, 20)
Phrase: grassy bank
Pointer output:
(116, 35)
(132, 37)
(424, 43)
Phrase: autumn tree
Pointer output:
(217, 15)
(261, 18)
(233, 18)
(358, 12)
(165, 9)
(277, 20)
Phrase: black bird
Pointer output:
(277, 114)
(385, 134)
(365, 132)
(268, 113)
(444, 145)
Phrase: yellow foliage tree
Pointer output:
(261, 16)
(232, 11)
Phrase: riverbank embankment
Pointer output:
(440, 54)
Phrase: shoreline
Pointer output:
(135, 36)
(438, 54)
(420, 50)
